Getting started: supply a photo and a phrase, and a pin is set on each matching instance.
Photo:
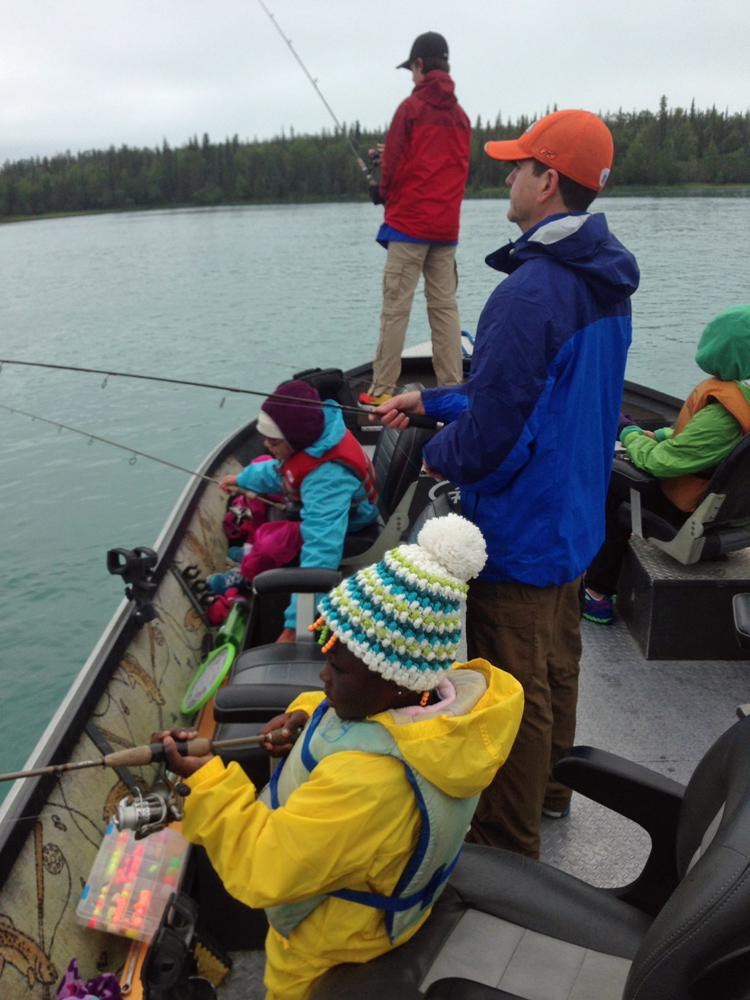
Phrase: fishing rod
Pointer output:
(149, 378)
(134, 452)
(162, 804)
(416, 420)
(362, 166)
(151, 753)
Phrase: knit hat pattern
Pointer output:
(401, 617)
(301, 424)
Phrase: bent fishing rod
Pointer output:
(287, 41)
(415, 419)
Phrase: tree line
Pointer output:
(671, 147)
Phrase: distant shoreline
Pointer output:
(631, 191)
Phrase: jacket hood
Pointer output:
(333, 430)
(436, 89)
(724, 347)
(459, 749)
(581, 242)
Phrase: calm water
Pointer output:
(242, 297)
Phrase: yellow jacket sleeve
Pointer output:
(352, 825)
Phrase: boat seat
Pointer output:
(439, 507)
(265, 679)
(741, 614)
(720, 524)
(397, 461)
(510, 928)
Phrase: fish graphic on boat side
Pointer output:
(24, 954)
(136, 675)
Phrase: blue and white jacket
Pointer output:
(532, 432)
(327, 493)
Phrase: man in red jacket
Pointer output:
(424, 165)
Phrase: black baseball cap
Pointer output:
(428, 44)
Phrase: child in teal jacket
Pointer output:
(322, 470)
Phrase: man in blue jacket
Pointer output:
(529, 441)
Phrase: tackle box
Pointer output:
(131, 882)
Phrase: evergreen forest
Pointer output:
(666, 150)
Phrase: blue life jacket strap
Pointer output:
(307, 758)
(396, 904)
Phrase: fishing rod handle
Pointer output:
(198, 747)
(155, 753)
(421, 420)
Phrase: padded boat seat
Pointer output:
(397, 461)
(357, 542)
(720, 524)
(258, 695)
(272, 671)
(509, 928)
(265, 679)
(741, 612)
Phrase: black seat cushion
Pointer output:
(266, 679)
(258, 692)
(506, 886)
(357, 542)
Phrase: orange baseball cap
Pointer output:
(576, 143)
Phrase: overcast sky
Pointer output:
(85, 74)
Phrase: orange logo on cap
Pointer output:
(548, 153)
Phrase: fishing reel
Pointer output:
(149, 813)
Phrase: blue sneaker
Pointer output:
(220, 582)
(598, 611)
(554, 814)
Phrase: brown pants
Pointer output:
(534, 634)
(403, 266)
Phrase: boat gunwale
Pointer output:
(26, 797)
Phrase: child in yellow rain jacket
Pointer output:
(359, 829)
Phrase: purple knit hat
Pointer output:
(302, 424)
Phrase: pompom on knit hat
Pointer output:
(401, 617)
(300, 425)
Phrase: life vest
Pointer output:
(347, 453)
(444, 822)
(686, 492)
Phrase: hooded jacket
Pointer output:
(426, 162)
(327, 494)
(532, 432)
(354, 825)
(714, 417)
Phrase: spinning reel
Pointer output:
(147, 813)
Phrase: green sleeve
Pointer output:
(702, 443)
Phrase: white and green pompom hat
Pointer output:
(402, 616)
